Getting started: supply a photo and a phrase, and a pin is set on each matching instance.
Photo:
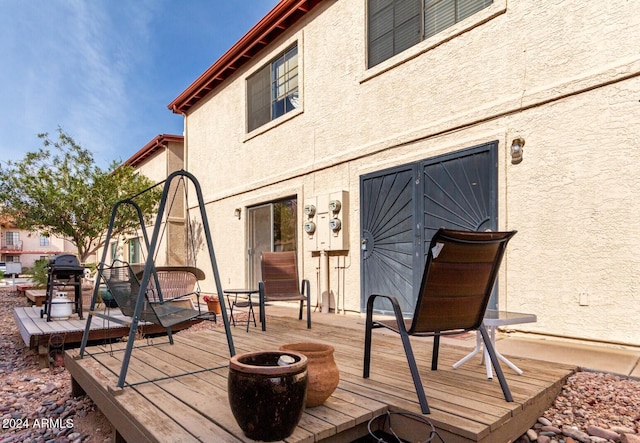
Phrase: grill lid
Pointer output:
(67, 262)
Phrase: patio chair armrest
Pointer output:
(397, 311)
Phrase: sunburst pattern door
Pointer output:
(388, 233)
(402, 208)
(459, 191)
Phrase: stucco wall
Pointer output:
(562, 75)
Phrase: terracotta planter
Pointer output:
(324, 375)
(213, 305)
(267, 400)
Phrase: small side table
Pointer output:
(245, 302)
(492, 320)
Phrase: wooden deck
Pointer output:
(466, 407)
(37, 333)
(35, 296)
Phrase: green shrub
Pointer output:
(39, 273)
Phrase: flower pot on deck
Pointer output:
(324, 375)
(267, 399)
(213, 304)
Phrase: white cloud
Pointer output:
(105, 70)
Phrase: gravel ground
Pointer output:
(36, 404)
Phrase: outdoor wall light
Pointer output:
(516, 150)
(237, 212)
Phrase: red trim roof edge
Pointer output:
(160, 141)
(273, 24)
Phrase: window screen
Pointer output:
(395, 25)
(273, 90)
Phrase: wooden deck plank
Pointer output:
(128, 408)
(198, 418)
(441, 399)
(37, 331)
(466, 407)
(201, 392)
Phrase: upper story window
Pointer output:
(273, 90)
(13, 238)
(44, 240)
(395, 25)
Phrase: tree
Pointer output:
(63, 193)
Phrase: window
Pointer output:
(395, 25)
(273, 90)
(114, 250)
(272, 227)
(44, 240)
(13, 238)
(134, 251)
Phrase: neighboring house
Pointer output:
(412, 114)
(156, 160)
(18, 245)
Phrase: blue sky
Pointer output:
(105, 70)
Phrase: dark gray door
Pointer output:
(401, 209)
(387, 204)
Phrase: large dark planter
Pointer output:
(267, 400)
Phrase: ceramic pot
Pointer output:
(266, 399)
(213, 305)
(324, 375)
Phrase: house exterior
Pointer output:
(25, 247)
(351, 130)
(160, 157)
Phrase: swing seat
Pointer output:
(166, 304)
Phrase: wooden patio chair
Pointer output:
(280, 282)
(166, 303)
(457, 282)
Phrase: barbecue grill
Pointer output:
(63, 271)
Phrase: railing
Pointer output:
(11, 247)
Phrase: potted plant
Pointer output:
(213, 303)
(267, 392)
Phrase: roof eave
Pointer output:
(158, 142)
(270, 27)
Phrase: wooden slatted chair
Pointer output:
(280, 282)
(457, 282)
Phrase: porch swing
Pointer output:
(161, 295)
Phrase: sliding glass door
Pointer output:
(272, 227)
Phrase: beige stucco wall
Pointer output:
(562, 75)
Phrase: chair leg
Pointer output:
(417, 381)
(436, 348)
(367, 340)
(307, 292)
(262, 314)
(496, 364)
(170, 335)
(413, 367)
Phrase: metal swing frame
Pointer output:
(150, 268)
